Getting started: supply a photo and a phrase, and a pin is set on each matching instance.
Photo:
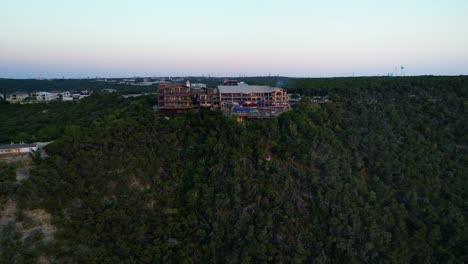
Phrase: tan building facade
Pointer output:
(252, 94)
(232, 98)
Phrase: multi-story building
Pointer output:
(176, 97)
(205, 97)
(179, 98)
(233, 97)
(252, 95)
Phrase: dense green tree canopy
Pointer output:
(47, 121)
(376, 175)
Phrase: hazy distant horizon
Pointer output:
(296, 38)
(233, 77)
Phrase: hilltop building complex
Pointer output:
(233, 97)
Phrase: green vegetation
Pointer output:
(378, 175)
(7, 179)
(47, 121)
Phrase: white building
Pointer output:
(15, 97)
(46, 96)
(67, 96)
(17, 148)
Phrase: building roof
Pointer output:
(15, 146)
(246, 89)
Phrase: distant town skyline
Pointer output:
(295, 38)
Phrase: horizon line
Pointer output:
(39, 78)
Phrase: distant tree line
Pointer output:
(8, 86)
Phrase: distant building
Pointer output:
(46, 96)
(227, 82)
(16, 97)
(85, 93)
(77, 95)
(67, 96)
(17, 148)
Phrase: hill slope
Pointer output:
(378, 175)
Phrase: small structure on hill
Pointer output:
(47, 96)
(17, 148)
(16, 97)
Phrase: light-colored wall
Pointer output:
(19, 97)
(17, 150)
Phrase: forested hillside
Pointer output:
(378, 175)
(47, 121)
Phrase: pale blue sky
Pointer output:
(52, 38)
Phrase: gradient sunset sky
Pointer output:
(124, 38)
